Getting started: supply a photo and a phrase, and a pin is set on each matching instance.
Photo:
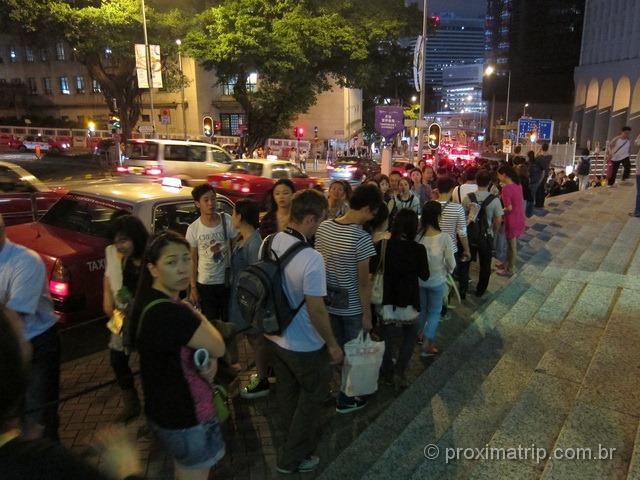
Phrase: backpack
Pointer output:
(479, 233)
(584, 166)
(261, 296)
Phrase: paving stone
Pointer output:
(593, 306)
(558, 304)
(592, 427)
(634, 466)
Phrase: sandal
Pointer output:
(504, 273)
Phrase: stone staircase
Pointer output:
(552, 362)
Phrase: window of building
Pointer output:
(3, 81)
(29, 56)
(231, 123)
(79, 84)
(46, 86)
(43, 55)
(13, 54)
(16, 81)
(64, 86)
(227, 88)
(60, 55)
(95, 86)
(252, 82)
(146, 118)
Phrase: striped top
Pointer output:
(343, 246)
(453, 222)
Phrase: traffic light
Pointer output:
(298, 132)
(207, 126)
(114, 122)
(434, 136)
(217, 126)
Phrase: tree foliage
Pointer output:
(94, 27)
(297, 48)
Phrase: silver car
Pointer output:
(192, 162)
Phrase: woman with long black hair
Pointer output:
(123, 265)
(178, 395)
(277, 217)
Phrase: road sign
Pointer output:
(506, 145)
(145, 129)
(543, 128)
(165, 117)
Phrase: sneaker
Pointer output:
(356, 404)
(255, 389)
(309, 464)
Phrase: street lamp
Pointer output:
(524, 110)
(414, 99)
(490, 70)
(184, 114)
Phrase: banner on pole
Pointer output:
(141, 66)
(418, 64)
(389, 121)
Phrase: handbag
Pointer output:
(221, 402)
(451, 290)
(377, 289)
(361, 367)
(116, 322)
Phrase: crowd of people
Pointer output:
(171, 297)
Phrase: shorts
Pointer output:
(194, 448)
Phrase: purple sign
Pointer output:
(389, 121)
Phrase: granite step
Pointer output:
(607, 409)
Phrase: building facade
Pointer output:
(462, 88)
(607, 81)
(48, 82)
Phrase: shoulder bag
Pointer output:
(377, 290)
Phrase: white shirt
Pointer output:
(441, 258)
(462, 191)
(211, 263)
(619, 149)
(303, 275)
(24, 289)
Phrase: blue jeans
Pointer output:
(637, 211)
(345, 328)
(431, 299)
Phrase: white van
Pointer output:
(192, 162)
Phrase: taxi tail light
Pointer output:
(122, 169)
(352, 169)
(154, 171)
(330, 167)
(60, 282)
(244, 187)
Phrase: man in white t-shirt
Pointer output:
(618, 154)
(210, 238)
(302, 355)
(469, 185)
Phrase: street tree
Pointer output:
(297, 49)
(102, 35)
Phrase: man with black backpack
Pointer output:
(485, 213)
(304, 349)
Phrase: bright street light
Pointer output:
(524, 110)
(489, 70)
(178, 42)
(414, 98)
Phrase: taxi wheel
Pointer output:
(22, 148)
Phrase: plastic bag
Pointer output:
(361, 367)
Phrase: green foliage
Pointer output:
(296, 47)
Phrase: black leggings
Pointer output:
(120, 365)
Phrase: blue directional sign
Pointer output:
(542, 128)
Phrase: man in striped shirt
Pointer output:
(454, 223)
(346, 249)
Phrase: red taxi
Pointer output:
(72, 235)
(254, 178)
(22, 196)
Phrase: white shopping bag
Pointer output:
(362, 360)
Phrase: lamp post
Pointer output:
(422, 78)
(524, 110)
(184, 113)
(490, 70)
(148, 62)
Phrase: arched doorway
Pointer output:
(603, 114)
(589, 117)
(578, 108)
(620, 109)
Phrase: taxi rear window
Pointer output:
(80, 215)
(247, 168)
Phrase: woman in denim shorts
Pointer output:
(178, 396)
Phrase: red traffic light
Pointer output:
(298, 132)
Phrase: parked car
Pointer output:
(46, 144)
(460, 153)
(191, 162)
(23, 196)
(353, 169)
(254, 178)
(72, 235)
